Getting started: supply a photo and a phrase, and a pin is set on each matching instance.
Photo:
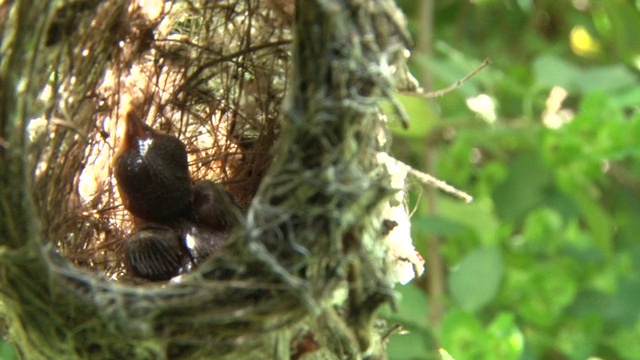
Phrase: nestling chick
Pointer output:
(214, 215)
(214, 207)
(155, 252)
(152, 173)
(200, 241)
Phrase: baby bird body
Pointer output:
(152, 173)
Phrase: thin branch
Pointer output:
(439, 184)
(448, 89)
(428, 179)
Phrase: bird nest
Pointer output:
(306, 273)
(217, 85)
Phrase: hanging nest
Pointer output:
(306, 273)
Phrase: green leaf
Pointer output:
(628, 98)
(444, 354)
(605, 79)
(421, 117)
(462, 335)
(546, 292)
(551, 70)
(478, 216)
(577, 337)
(541, 231)
(413, 306)
(415, 340)
(411, 345)
(624, 22)
(598, 221)
(475, 281)
(7, 351)
(625, 343)
(506, 340)
(523, 189)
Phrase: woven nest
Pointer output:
(306, 274)
(216, 84)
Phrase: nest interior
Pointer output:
(213, 75)
(305, 276)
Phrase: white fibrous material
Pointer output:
(405, 263)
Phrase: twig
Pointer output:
(427, 179)
(433, 181)
(395, 329)
(433, 94)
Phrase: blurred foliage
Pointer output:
(7, 351)
(545, 264)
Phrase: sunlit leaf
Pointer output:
(445, 354)
(506, 340)
(462, 335)
(421, 118)
(548, 291)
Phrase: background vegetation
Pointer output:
(545, 263)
